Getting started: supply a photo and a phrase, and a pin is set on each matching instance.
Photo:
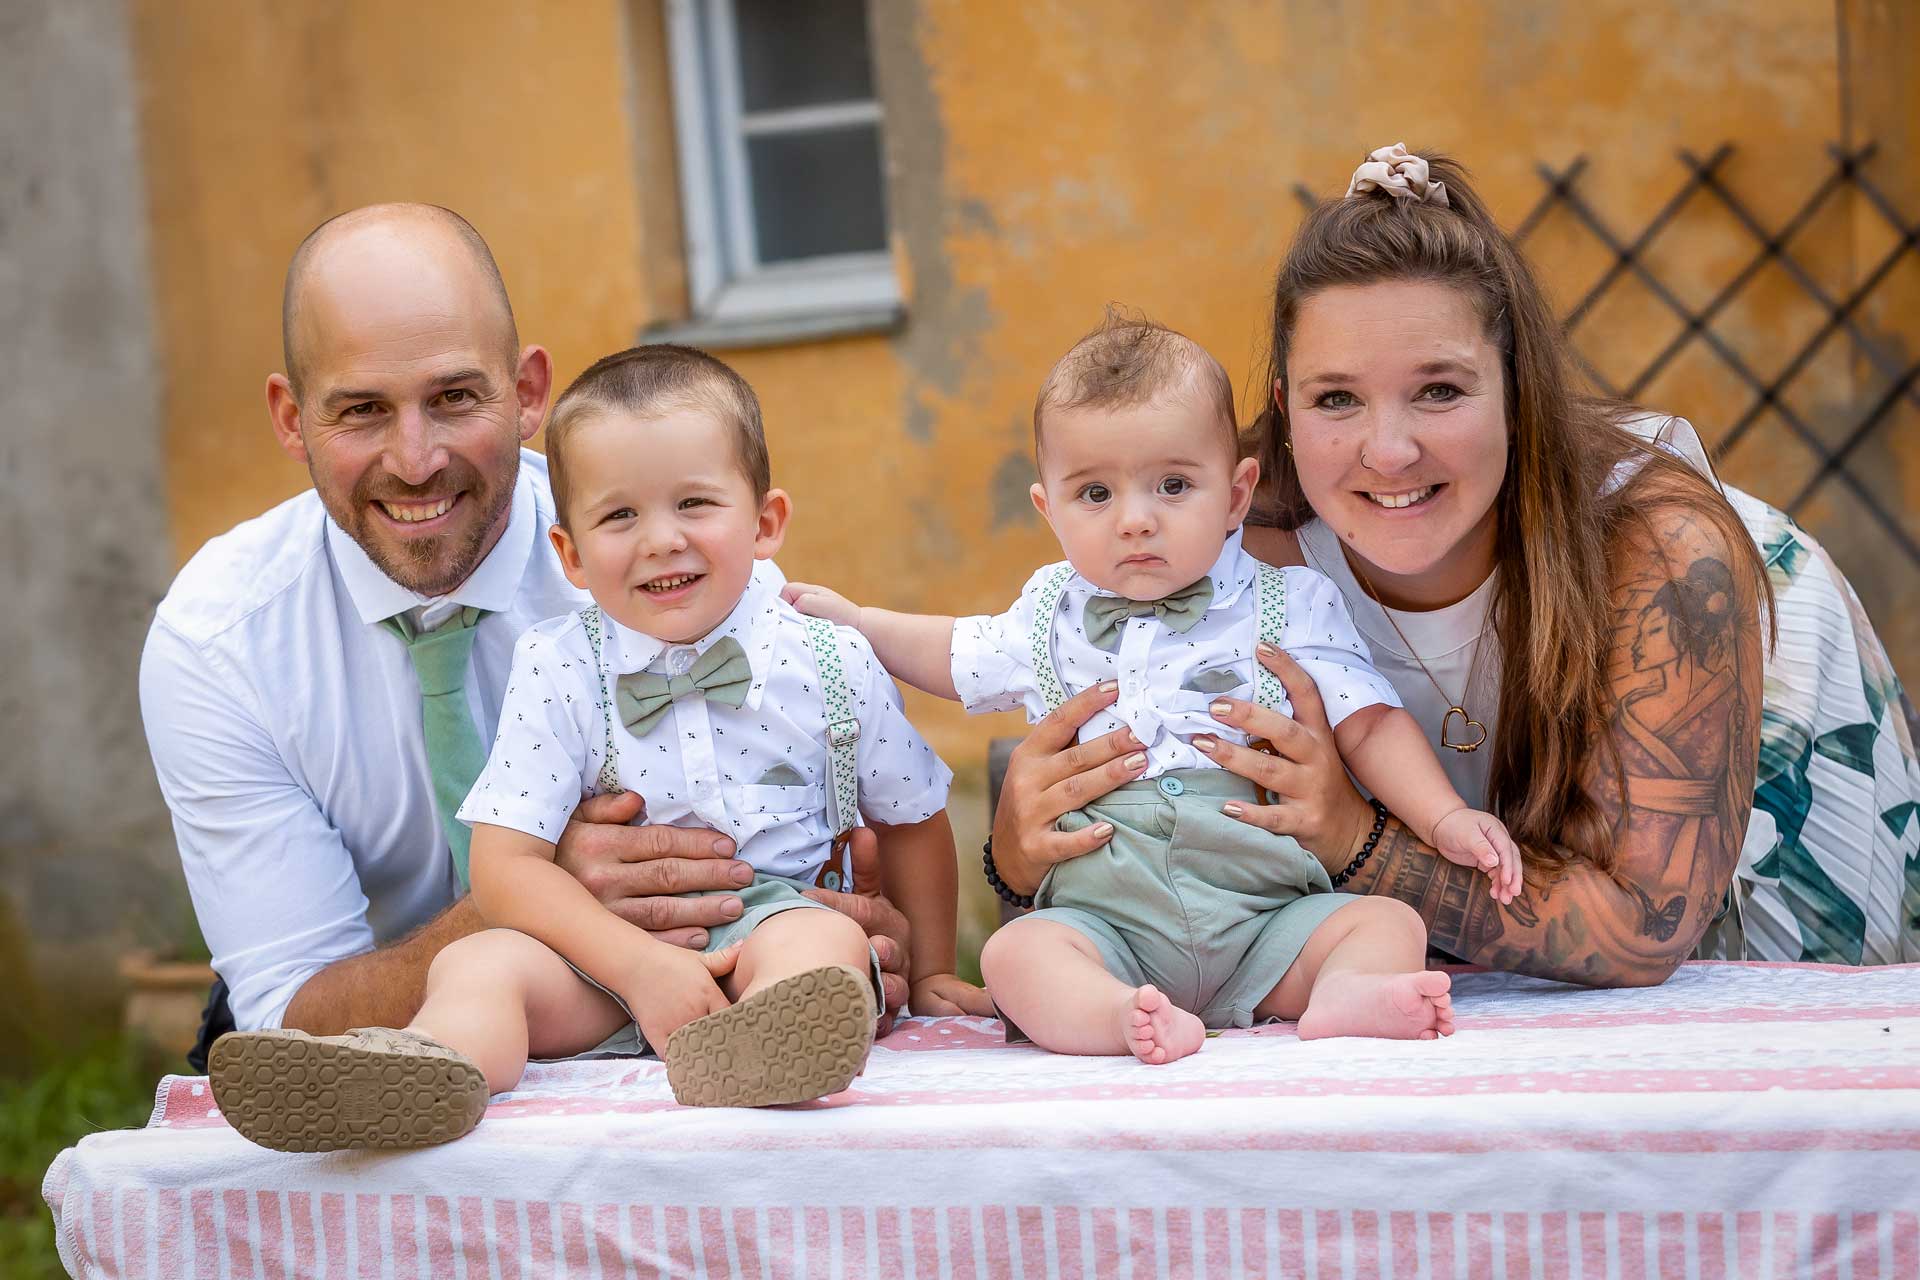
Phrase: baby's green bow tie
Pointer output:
(1106, 615)
(721, 674)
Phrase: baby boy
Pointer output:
(1187, 917)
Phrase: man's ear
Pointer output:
(532, 381)
(775, 510)
(1246, 478)
(569, 554)
(284, 412)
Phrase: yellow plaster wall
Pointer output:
(1045, 158)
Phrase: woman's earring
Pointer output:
(1289, 443)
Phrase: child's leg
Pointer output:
(1363, 973)
(801, 1025)
(795, 941)
(1050, 979)
(498, 996)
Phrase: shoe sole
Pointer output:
(799, 1039)
(291, 1092)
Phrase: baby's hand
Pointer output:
(1475, 839)
(820, 602)
(672, 986)
(940, 995)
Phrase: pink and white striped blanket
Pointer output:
(1742, 1120)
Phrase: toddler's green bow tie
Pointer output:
(721, 674)
(1106, 615)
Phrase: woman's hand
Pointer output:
(1314, 800)
(1048, 776)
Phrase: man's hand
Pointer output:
(941, 995)
(635, 871)
(868, 907)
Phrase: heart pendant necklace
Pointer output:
(1473, 734)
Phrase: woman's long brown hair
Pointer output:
(1557, 517)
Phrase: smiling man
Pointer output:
(320, 681)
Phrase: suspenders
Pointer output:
(1270, 589)
(843, 731)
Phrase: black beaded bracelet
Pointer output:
(999, 886)
(1366, 850)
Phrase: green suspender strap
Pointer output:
(1271, 606)
(843, 727)
(609, 781)
(1040, 640)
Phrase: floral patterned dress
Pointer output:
(1830, 871)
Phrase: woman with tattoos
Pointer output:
(1664, 688)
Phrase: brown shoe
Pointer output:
(798, 1039)
(371, 1088)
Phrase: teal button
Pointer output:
(1170, 785)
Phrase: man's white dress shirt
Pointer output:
(285, 728)
(758, 772)
(1169, 678)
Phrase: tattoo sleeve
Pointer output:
(1685, 675)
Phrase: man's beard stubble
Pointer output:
(427, 566)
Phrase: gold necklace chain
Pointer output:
(1454, 708)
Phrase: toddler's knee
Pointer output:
(497, 958)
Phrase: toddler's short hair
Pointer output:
(653, 381)
(1130, 360)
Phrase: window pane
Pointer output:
(817, 192)
(797, 53)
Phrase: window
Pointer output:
(780, 165)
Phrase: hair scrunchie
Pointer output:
(1400, 174)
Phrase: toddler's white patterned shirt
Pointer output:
(1169, 678)
(758, 772)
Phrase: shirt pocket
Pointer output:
(757, 807)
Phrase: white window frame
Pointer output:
(727, 285)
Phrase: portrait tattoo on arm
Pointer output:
(1674, 783)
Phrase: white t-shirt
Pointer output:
(1168, 678)
(758, 772)
(285, 728)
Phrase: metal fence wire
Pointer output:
(1631, 260)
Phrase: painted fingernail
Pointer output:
(1232, 810)
(1220, 709)
(1133, 739)
(1138, 760)
(1103, 829)
(1108, 686)
(1266, 650)
(1204, 742)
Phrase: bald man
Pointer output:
(312, 789)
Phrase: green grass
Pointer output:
(107, 1086)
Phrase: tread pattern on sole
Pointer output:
(798, 1039)
(291, 1092)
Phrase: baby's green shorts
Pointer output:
(1211, 910)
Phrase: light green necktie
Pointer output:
(1105, 615)
(721, 674)
(454, 754)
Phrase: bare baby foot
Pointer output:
(1156, 1029)
(1396, 1006)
